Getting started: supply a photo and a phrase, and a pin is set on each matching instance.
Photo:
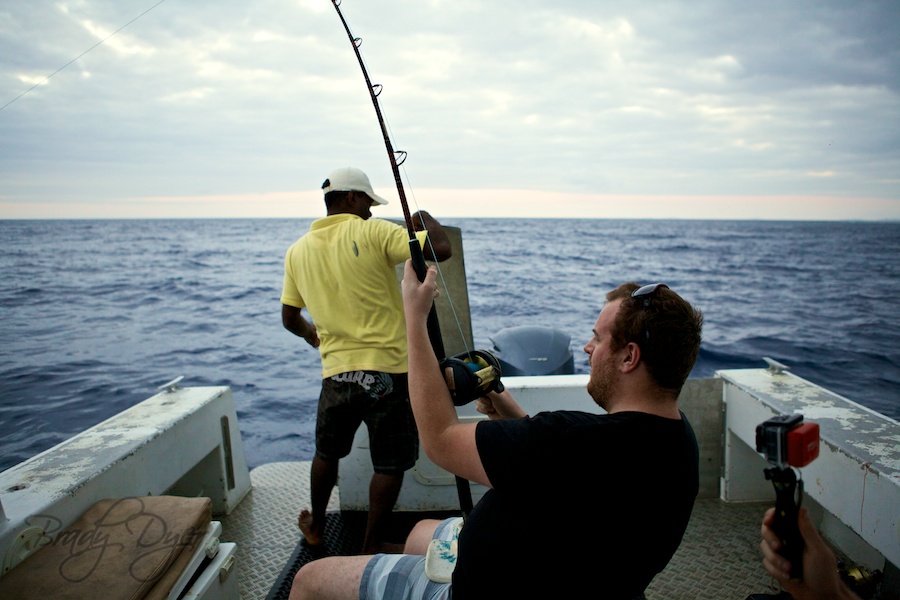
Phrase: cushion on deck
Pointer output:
(118, 549)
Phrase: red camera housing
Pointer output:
(803, 444)
(786, 440)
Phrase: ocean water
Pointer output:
(94, 315)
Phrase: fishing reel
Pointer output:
(471, 375)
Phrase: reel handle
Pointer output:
(788, 495)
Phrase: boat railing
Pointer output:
(852, 488)
(182, 442)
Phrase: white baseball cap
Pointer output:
(350, 179)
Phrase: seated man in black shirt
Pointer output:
(581, 504)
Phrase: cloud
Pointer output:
(581, 98)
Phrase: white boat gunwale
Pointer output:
(174, 442)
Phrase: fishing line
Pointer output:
(415, 249)
(444, 284)
(47, 78)
(396, 164)
(397, 158)
(357, 42)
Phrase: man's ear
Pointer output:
(631, 357)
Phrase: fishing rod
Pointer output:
(415, 249)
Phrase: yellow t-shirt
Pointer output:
(342, 271)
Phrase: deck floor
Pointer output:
(718, 558)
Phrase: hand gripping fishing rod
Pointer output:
(415, 250)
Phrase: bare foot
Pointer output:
(310, 530)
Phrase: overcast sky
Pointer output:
(570, 108)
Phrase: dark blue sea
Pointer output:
(94, 315)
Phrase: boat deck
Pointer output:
(718, 558)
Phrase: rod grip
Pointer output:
(434, 326)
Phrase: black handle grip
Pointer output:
(787, 509)
(434, 326)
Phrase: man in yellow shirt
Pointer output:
(343, 272)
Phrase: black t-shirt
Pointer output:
(582, 506)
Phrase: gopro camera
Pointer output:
(787, 441)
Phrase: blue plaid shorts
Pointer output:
(402, 576)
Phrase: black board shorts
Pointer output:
(381, 401)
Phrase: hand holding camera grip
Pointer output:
(784, 524)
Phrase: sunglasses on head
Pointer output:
(646, 291)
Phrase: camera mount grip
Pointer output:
(788, 496)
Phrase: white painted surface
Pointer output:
(856, 477)
(148, 449)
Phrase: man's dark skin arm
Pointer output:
(437, 247)
(293, 321)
